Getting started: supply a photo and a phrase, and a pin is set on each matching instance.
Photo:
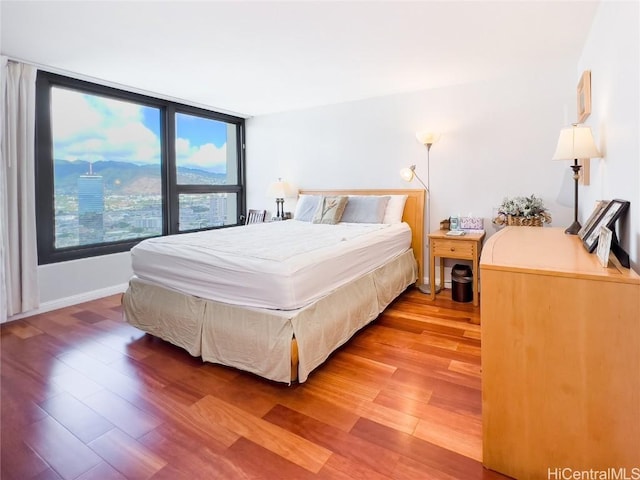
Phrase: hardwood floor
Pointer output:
(86, 396)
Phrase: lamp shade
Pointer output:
(281, 189)
(576, 142)
(427, 138)
(408, 173)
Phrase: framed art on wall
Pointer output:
(584, 96)
(585, 171)
(583, 92)
(606, 218)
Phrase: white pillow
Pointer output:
(365, 209)
(306, 207)
(395, 208)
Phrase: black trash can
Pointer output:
(461, 283)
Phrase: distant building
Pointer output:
(90, 208)
(218, 210)
(151, 223)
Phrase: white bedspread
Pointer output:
(279, 265)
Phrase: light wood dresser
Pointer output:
(560, 357)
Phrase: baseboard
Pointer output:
(73, 300)
(447, 283)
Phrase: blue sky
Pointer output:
(200, 131)
(93, 128)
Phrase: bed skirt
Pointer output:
(262, 341)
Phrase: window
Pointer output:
(115, 167)
(206, 158)
(106, 169)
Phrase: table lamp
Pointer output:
(281, 190)
(576, 142)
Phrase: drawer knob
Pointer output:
(453, 249)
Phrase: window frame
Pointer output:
(170, 190)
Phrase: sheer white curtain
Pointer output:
(18, 249)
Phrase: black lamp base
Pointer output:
(280, 208)
(573, 229)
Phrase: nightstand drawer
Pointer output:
(460, 249)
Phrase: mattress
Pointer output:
(259, 340)
(278, 265)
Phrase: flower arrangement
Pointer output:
(522, 211)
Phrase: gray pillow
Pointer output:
(306, 207)
(365, 209)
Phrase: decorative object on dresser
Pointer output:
(604, 246)
(408, 174)
(522, 211)
(576, 142)
(607, 216)
(281, 190)
(588, 225)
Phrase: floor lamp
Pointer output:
(576, 142)
(408, 174)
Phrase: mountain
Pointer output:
(123, 178)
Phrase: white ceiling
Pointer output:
(261, 57)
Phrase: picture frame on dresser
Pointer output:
(588, 225)
(604, 246)
(606, 218)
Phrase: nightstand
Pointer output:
(464, 247)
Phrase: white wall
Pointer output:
(612, 53)
(77, 277)
(497, 139)
(76, 281)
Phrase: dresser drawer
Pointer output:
(459, 248)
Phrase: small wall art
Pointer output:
(584, 110)
(584, 96)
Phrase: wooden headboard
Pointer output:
(413, 215)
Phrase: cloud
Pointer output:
(207, 156)
(183, 149)
(143, 144)
(92, 128)
(71, 114)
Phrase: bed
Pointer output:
(277, 327)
